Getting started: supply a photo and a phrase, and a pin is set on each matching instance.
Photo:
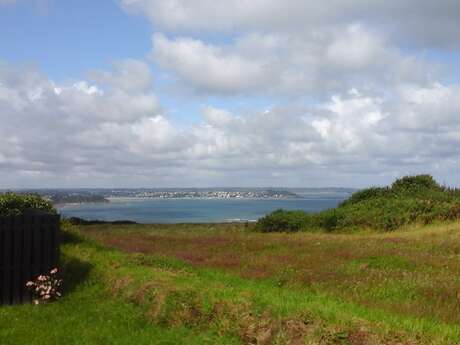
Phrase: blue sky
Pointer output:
(201, 93)
(68, 38)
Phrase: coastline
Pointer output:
(192, 210)
(61, 205)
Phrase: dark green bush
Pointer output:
(283, 221)
(409, 200)
(419, 183)
(366, 194)
(328, 220)
(12, 204)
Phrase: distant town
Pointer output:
(207, 194)
(80, 196)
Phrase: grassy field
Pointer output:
(412, 273)
(223, 284)
(89, 313)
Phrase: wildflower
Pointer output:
(45, 287)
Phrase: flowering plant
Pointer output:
(45, 288)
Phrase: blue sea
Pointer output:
(197, 210)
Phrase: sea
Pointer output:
(197, 210)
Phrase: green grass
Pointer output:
(223, 284)
(398, 282)
(88, 316)
(89, 313)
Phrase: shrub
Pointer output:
(12, 204)
(409, 200)
(416, 184)
(282, 221)
(366, 194)
(329, 220)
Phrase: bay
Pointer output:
(196, 210)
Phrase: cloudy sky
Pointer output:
(162, 93)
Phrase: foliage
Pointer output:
(366, 194)
(414, 184)
(12, 204)
(45, 288)
(286, 221)
(411, 199)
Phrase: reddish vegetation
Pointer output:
(407, 273)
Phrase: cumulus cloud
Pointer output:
(44, 125)
(129, 75)
(316, 63)
(350, 91)
(425, 23)
(87, 132)
(208, 67)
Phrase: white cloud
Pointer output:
(311, 64)
(208, 67)
(218, 117)
(107, 135)
(129, 75)
(434, 107)
(356, 49)
(351, 95)
(417, 22)
(83, 87)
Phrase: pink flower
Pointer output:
(45, 287)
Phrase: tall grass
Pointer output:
(392, 288)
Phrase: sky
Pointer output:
(205, 93)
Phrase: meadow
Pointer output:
(226, 284)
